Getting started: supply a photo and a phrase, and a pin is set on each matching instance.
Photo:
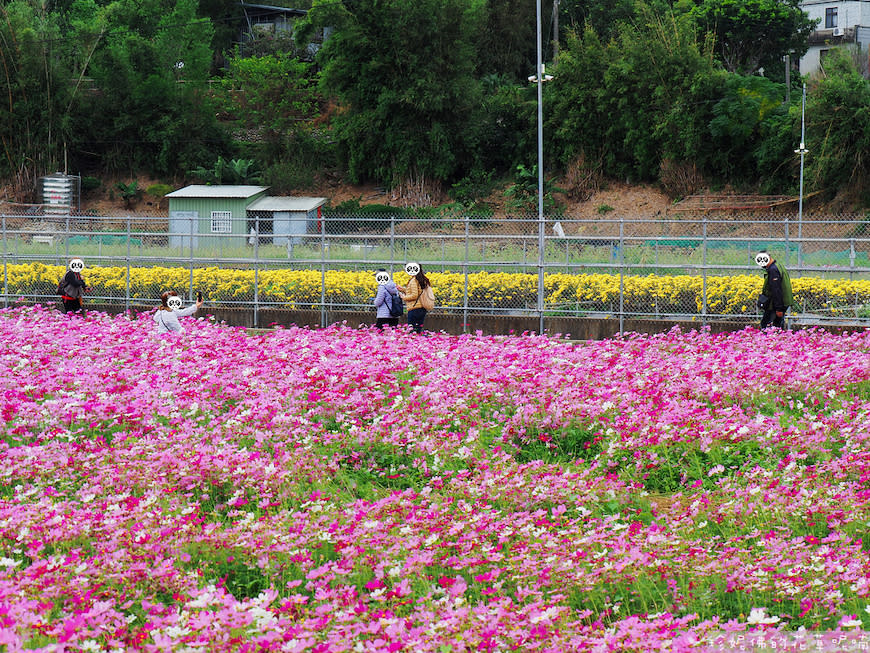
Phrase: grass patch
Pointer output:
(574, 440)
(674, 467)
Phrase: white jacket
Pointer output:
(168, 320)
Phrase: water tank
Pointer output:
(60, 193)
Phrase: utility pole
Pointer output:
(555, 31)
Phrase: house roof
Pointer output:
(202, 191)
(286, 204)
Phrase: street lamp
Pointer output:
(802, 150)
(539, 78)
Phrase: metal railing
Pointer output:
(670, 267)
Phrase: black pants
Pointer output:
(415, 319)
(389, 321)
(770, 319)
(73, 306)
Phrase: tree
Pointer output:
(838, 127)
(150, 73)
(643, 97)
(742, 113)
(403, 73)
(755, 34)
(34, 94)
(275, 93)
(506, 44)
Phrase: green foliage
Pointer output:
(567, 444)
(129, 192)
(744, 109)
(473, 187)
(147, 69)
(158, 190)
(403, 72)
(276, 93)
(506, 45)
(228, 171)
(838, 126)
(653, 95)
(676, 467)
(34, 111)
(522, 195)
(242, 579)
(506, 133)
(714, 597)
(424, 93)
(299, 158)
(604, 209)
(90, 184)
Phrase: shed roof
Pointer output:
(286, 203)
(202, 191)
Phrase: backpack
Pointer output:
(427, 298)
(397, 306)
(61, 287)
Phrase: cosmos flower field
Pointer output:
(352, 490)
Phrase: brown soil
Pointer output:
(615, 200)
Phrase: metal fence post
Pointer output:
(392, 243)
(190, 290)
(256, 269)
(621, 260)
(704, 273)
(323, 271)
(127, 290)
(851, 258)
(541, 245)
(787, 245)
(465, 279)
(5, 271)
(66, 240)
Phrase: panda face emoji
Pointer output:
(382, 278)
(76, 265)
(174, 303)
(762, 260)
(412, 269)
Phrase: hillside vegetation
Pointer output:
(428, 100)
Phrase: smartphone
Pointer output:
(198, 295)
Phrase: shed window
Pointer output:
(830, 17)
(221, 222)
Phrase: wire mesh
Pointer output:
(677, 266)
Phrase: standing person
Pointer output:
(72, 287)
(166, 317)
(776, 294)
(416, 296)
(387, 289)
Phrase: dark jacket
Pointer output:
(777, 286)
(73, 285)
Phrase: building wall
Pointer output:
(851, 14)
(180, 208)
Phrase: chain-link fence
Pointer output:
(667, 267)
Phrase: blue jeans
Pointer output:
(415, 319)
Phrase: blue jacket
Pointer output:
(382, 299)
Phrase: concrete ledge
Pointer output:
(576, 328)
